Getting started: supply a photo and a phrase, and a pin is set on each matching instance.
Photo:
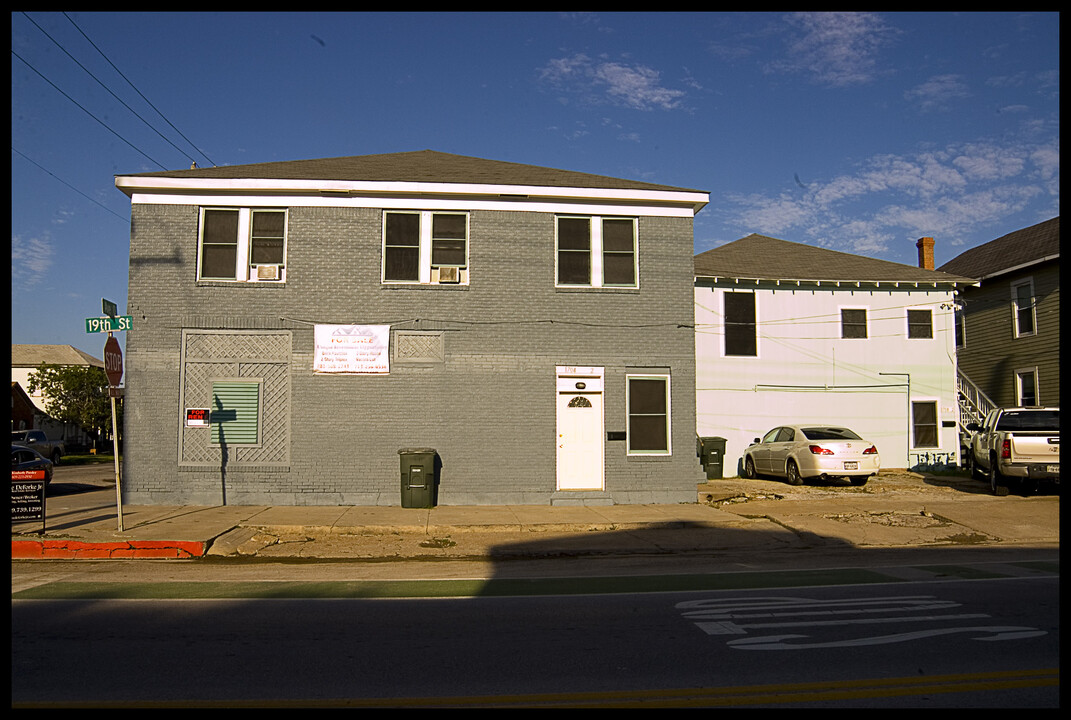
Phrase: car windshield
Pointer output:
(829, 433)
(18, 435)
(1047, 420)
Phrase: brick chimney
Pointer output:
(925, 246)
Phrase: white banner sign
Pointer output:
(357, 349)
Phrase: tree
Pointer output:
(75, 394)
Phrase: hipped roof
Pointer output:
(1017, 249)
(417, 166)
(762, 258)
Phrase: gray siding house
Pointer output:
(532, 326)
(1008, 332)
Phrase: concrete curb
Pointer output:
(82, 550)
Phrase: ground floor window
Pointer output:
(235, 412)
(647, 405)
(1026, 387)
(924, 424)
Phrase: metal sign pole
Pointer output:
(115, 455)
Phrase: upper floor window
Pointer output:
(920, 323)
(242, 244)
(1024, 320)
(740, 328)
(853, 323)
(596, 252)
(425, 247)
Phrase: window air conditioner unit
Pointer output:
(268, 272)
(449, 275)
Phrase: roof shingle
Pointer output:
(417, 166)
(1015, 249)
(758, 257)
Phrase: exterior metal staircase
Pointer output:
(974, 404)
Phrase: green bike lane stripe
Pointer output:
(501, 587)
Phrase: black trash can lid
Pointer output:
(414, 451)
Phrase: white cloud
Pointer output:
(940, 192)
(634, 86)
(834, 48)
(938, 93)
(30, 260)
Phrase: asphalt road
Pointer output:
(949, 643)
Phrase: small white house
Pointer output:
(789, 333)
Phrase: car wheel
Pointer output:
(55, 457)
(972, 466)
(997, 485)
(749, 468)
(793, 473)
(859, 481)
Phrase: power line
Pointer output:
(72, 187)
(162, 166)
(210, 161)
(101, 83)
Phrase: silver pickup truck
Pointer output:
(1020, 445)
(36, 439)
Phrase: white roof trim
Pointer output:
(143, 185)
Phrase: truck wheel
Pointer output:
(55, 457)
(997, 484)
(976, 472)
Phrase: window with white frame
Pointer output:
(1024, 320)
(596, 251)
(425, 247)
(1026, 387)
(242, 244)
(647, 407)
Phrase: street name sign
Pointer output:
(109, 324)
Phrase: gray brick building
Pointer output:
(533, 326)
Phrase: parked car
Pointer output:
(24, 458)
(1020, 445)
(802, 452)
(36, 439)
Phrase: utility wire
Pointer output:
(210, 161)
(162, 166)
(101, 83)
(72, 187)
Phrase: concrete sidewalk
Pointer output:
(895, 509)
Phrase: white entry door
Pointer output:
(580, 428)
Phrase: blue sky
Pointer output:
(859, 132)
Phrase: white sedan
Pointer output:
(801, 452)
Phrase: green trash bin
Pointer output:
(712, 456)
(418, 477)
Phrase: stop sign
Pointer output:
(113, 361)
